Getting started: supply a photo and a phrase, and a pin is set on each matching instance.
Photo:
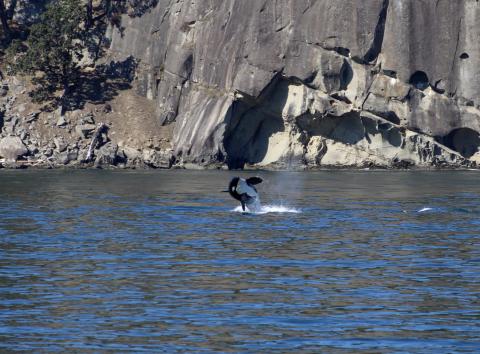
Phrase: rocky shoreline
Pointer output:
(79, 165)
(87, 145)
(96, 136)
(36, 138)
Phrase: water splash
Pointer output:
(267, 209)
(423, 210)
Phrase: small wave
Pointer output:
(267, 209)
(423, 210)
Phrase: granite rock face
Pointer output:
(305, 83)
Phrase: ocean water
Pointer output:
(162, 261)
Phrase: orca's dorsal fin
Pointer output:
(254, 180)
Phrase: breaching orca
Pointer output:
(244, 191)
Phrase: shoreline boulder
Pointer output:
(11, 148)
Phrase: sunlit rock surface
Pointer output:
(302, 83)
(11, 148)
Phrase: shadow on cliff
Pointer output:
(465, 141)
(100, 85)
(251, 122)
(348, 128)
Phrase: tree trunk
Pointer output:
(89, 21)
(11, 9)
(4, 19)
(108, 6)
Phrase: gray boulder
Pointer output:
(48, 152)
(131, 153)
(88, 119)
(61, 122)
(60, 144)
(106, 155)
(62, 158)
(66, 157)
(3, 90)
(11, 148)
(84, 130)
(157, 159)
(31, 117)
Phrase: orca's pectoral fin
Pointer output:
(254, 180)
(243, 200)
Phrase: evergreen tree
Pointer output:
(53, 48)
(139, 7)
(133, 8)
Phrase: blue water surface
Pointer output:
(162, 261)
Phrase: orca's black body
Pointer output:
(244, 190)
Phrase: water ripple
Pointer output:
(158, 262)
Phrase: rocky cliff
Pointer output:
(296, 83)
(267, 84)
